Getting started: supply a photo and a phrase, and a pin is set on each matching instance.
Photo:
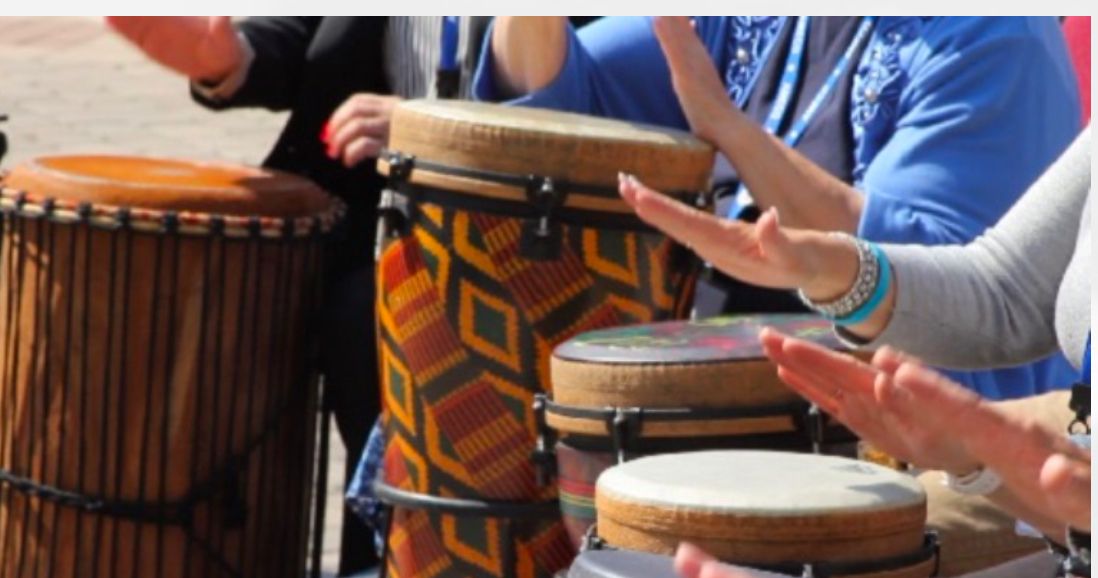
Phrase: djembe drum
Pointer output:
(504, 235)
(674, 386)
(157, 398)
(790, 513)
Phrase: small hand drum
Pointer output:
(672, 387)
(776, 511)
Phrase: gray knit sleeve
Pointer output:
(992, 302)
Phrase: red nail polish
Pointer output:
(325, 133)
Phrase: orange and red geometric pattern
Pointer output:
(467, 327)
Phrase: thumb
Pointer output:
(774, 244)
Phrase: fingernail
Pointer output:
(621, 177)
(325, 132)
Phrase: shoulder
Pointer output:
(951, 37)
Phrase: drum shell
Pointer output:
(459, 421)
(139, 364)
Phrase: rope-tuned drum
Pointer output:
(156, 392)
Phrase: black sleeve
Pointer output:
(280, 44)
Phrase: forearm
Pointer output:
(777, 176)
(528, 52)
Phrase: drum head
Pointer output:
(757, 508)
(159, 184)
(716, 362)
(563, 146)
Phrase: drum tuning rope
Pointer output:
(107, 307)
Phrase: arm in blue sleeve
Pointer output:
(614, 68)
(989, 105)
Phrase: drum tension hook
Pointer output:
(394, 209)
(545, 463)
(624, 425)
(541, 238)
(814, 422)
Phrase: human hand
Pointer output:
(1066, 484)
(701, 93)
(866, 397)
(919, 416)
(203, 48)
(764, 254)
(359, 128)
(1036, 461)
(693, 562)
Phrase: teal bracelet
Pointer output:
(884, 280)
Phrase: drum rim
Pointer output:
(193, 223)
(678, 138)
(566, 350)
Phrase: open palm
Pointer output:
(200, 47)
(762, 254)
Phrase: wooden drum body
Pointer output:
(777, 511)
(157, 399)
(674, 386)
(503, 236)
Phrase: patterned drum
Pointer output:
(670, 387)
(776, 511)
(157, 396)
(503, 235)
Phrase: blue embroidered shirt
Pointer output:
(952, 119)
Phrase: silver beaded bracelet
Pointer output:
(869, 272)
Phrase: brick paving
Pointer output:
(69, 85)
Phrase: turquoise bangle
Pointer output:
(884, 280)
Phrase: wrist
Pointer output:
(833, 267)
(235, 56)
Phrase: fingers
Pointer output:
(836, 369)
(705, 233)
(358, 129)
(689, 560)
(1066, 483)
(888, 360)
(810, 389)
(131, 27)
(680, 44)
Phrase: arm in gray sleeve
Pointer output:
(992, 302)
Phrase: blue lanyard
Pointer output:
(1085, 377)
(448, 47)
(791, 73)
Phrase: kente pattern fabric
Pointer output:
(467, 324)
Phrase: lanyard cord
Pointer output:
(791, 74)
(448, 75)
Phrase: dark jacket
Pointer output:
(309, 66)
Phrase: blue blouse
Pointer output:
(952, 117)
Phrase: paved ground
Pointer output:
(69, 85)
